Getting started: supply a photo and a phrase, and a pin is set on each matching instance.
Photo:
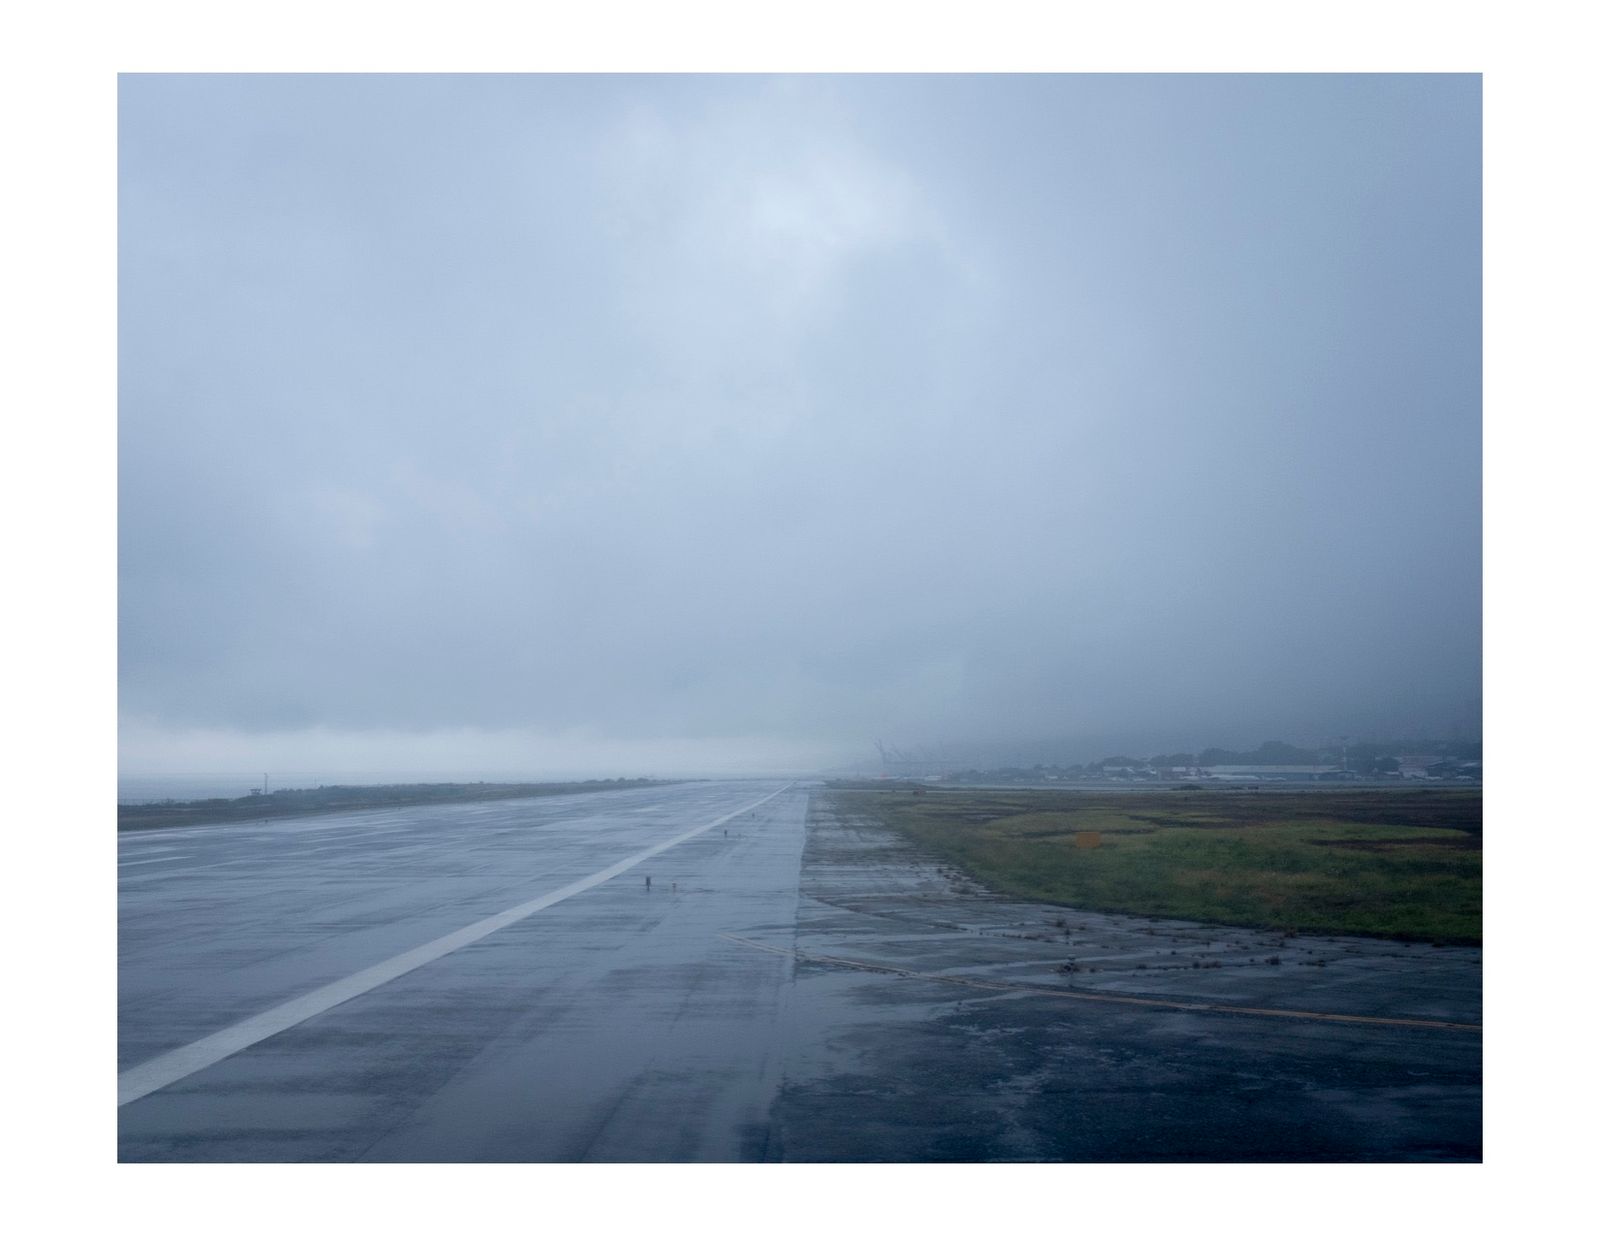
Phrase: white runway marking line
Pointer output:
(175, 1065)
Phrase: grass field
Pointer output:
(282, 804)
(1405, 864)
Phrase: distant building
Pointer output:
(1268, 772)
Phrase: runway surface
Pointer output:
(495, 982)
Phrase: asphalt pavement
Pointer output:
(615, 1024)
(496, 982)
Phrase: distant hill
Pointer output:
(1446, 757)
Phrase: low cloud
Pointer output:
(732, 423)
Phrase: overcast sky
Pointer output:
(555, 425)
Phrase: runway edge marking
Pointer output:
(1033, 989)
(181, 1062)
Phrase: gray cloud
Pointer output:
(771, 415)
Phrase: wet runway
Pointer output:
(791, 986)
(951, 1024)
(587, 1030)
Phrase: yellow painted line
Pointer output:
(1187, 1006)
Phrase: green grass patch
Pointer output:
(1394, 863)
(283, 804)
